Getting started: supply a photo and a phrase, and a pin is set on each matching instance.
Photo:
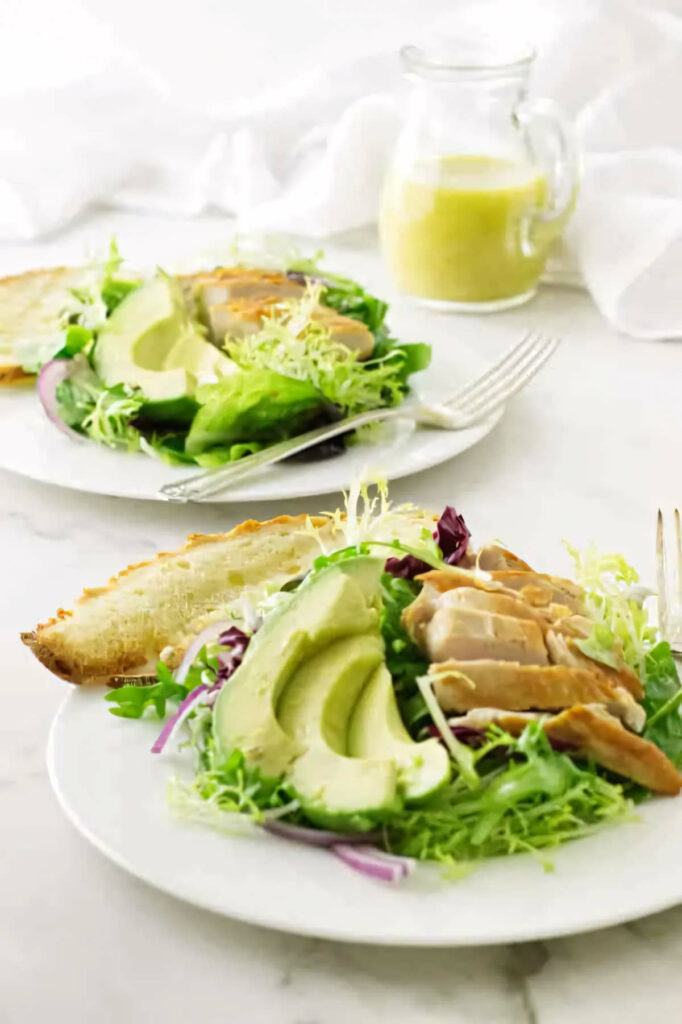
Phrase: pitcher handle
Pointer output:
(553, 145)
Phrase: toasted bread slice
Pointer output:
(30, 307)
(122, 628)
(158, 607)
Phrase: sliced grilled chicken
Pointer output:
(568, 623)
(513, 722)
(346, 331)
(460, 576)
(431, 599)
(240, 319)
(227, 284)
(469, 634)
(237, 319)
(597, 734)
(563, 650)
(463, 685)
(494, 557)
(541, 589)
(498, 602)
(590, 731)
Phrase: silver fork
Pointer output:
(669, 581)
(472, 403)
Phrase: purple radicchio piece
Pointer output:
(452, 536)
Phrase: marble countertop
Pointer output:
(589, 452)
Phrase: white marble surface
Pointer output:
(589, 452)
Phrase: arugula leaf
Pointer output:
(662, 702)
(132, 701)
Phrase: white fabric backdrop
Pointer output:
(285, 115)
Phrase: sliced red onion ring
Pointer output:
(317, 837)
(191, 701)
(209, 635)
(51, 375)
(373, 863)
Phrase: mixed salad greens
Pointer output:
(503, 793)
(290, 371)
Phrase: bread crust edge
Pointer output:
(38, 642)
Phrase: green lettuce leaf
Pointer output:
(253, 406)
(662, 701)
(529, 798)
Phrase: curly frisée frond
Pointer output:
(294, 344)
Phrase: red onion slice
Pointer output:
(315, 836)
(209, 635)
(373, 863)
(185, 708)
(51, 375)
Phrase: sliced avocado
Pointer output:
(334, 603)
(149, 342)
(376, 730)
(336, 790)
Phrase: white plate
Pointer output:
(31, 446)
(113, 790)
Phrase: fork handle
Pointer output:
(213, 481)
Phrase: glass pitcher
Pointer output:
(481, 181)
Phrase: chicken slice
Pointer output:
(498, 602)
(237, 319)
(564, 650)
(346, 331)
(513, 722)
(243, 317)
(227, 284)
(469, 634)
(597, 734)
(494, 557)
(590, 731)
(463, 685)
(541, 589)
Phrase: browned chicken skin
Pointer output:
(463, 685)
(504, 643)
(235, 301)
(591, 732)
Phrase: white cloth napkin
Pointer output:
(310, 158)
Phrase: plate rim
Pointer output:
(326, 932)
(242, 494)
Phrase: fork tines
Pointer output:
(506, 377)
(669, 580)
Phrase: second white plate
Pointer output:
(31, 446)
(113, 790)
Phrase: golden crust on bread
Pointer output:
(13, 375)
(122, 628)
(30, 307)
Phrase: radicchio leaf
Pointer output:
(452, 536)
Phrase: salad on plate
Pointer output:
(205, 367)
(370, 682)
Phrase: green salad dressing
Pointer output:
(457, 229)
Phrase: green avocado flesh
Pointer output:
(315, 710)
(313, 705)
(376, 730)
(332, 606)
(149, 342)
